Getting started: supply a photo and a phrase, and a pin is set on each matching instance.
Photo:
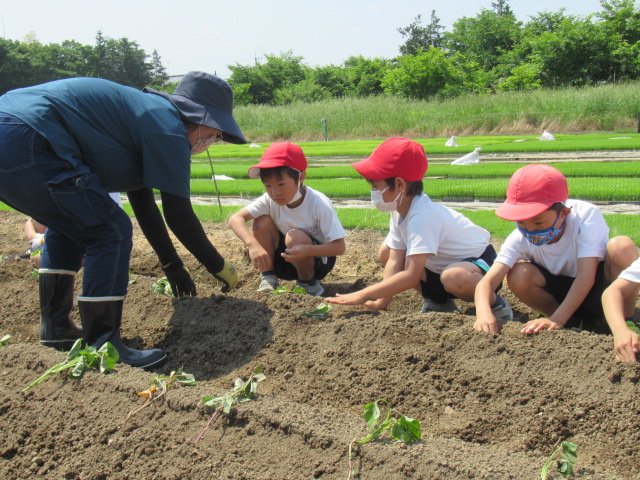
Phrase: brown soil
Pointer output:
(491, 406)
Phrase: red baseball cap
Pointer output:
(280, 154)
(531, 191)
(396, 157)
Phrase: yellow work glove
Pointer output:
(228, 275)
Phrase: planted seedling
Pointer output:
(132, 278)
(79, 359)
(283, 289)
(564, 456)
(318, 313)
(162, 286)
(403, 429)
(4, 340)
(633, 326)
(160, 385)
(243, 391)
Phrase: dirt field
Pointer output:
(491, 406)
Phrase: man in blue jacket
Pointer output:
(64, 145)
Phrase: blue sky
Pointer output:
(210, 35)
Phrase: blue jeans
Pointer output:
(82, 219)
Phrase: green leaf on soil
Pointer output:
(4, 340)
(320, 312)
(633, 326)
(162, 287)
(79, 359)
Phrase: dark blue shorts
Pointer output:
(286, 271)
(589, 315)
(432, 288)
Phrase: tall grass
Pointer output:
(602, 108)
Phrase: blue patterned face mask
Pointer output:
(540, 237)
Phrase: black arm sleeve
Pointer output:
(152, 224)
(187, 228)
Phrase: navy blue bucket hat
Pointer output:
(205, 99)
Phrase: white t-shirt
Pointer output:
(430, 227)
(586, 235)
(315, 216)
(632, 273)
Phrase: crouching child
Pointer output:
(429, 247)
(558, 260)
(295, 233)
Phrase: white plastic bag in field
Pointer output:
(546, 136)
(254, 145)
(469, 158)
(451, 142)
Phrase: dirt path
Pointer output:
(491, 406)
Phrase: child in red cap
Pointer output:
(296, 233)
(558, 260)
(429, 247)
(618, 302)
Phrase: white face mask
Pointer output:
(202, 144)
(297, 196)
(380, 204)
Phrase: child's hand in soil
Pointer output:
(355, 298)
(539, 324)
(625, 345)
(486, 323)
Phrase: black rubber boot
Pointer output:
(101, 320)
(56, 301)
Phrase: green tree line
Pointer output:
(29, 62)
(487, 53)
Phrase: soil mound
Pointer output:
(491, 406)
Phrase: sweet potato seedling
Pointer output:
(403, 429)
(284, 289)
(4, 340)
(160, 385)
(564, 456)
(79, 359)
(318, 313)
(243, 391)
(162, 286)
(633, 326)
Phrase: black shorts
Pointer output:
(432, 288)
(589, 315)
(286, 271)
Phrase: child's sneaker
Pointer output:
(316, 289)
(501, 309)
(269, 283)
(429, 305)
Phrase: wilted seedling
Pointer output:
(79, 359)
(4, 340)
(162, 286)
(318, 313)
(243, 391)
(160, 385)
(402, 429)
(565, 456)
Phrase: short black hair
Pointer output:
(278, 172)
(557, 207)
(413, 188)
